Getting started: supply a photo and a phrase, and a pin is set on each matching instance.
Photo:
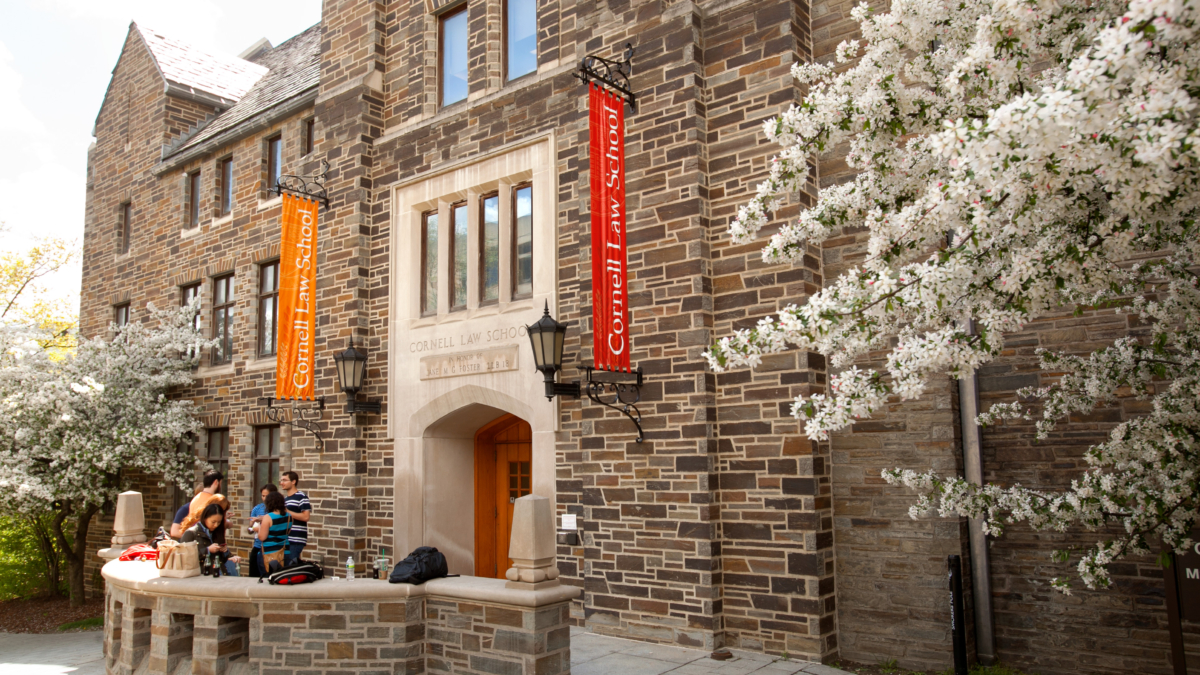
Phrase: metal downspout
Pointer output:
(981, 579)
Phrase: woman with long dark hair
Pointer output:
(208, 533)
(273, 530)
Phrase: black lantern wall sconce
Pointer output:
(351, 367)
(547, 337)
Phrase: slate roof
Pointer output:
(294, 67)
(226, 77)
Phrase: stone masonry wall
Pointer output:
(891, 569)
(657, 520)
(155, 634)
(165, 253)
(717, 529)
(1120, 630)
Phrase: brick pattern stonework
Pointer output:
(420, 634)
(726, 527)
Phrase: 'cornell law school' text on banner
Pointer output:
(610, 315)
(297, 299)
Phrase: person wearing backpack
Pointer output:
(273, 531)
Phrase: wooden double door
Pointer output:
(503, 472)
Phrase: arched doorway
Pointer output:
(503, 472)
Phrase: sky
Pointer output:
(56, 60)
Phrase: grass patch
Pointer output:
(95, 622)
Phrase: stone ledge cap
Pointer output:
(141, 576)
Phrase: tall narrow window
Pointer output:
(126, 230)
(458, 256)
(429, 263)
(217, 452)
(489, 249)
(223, 302)
(522, 253)
(310, 126)
(226, 186)
(268, 307)
(453, 57)
(193, 199)
(121, 314)
(266, 457)
(520, 37)
(274, 161)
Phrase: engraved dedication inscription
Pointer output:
(479, 362)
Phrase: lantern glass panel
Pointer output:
(552, 358)
(360, 366)
(560, 335)
(343, 369)
(535, 339)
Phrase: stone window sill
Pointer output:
(224, 219)
(264, 363)
(215, 371)
(270, 203)
(190, 232)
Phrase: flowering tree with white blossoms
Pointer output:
(71, 430)
(1015, 158)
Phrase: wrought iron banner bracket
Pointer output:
(612, 74)
(298, 414)
(622, 396)
(312, 187)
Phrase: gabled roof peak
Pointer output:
(224, 78)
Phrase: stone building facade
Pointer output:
(725, 527)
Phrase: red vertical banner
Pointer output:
(297, 299)
(610, 313)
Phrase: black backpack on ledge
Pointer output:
(420, 566)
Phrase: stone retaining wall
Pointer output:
(235, 625)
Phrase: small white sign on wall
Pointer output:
(568, 522)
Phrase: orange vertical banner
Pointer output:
(297, 299)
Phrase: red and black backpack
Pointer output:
(296, 572)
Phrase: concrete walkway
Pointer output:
(74, 653)
(593, 654)
(81, 654)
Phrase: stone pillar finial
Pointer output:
(531, 545)
(130, 521)
(129, 525)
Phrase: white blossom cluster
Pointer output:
(71, 430)
(1014, 158)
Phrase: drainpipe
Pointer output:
(981, 579)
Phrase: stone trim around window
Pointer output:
(530, 164)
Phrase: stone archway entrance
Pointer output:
(503, 472)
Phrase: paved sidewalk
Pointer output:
(593, 654)
(81, 654)
(73, 653)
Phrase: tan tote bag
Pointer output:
(178, 560)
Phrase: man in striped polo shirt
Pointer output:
(300, 509)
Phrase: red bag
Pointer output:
(139, 552)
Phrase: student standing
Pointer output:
(299, 509)
(212, 485)
(256, 516)
(273, 531)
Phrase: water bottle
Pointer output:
(349, 567)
